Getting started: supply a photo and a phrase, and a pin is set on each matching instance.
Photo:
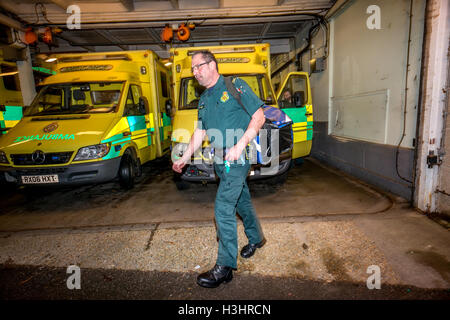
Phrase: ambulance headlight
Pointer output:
(92, 152)
(3, 158)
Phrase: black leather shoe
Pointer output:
(249, 249)
(214, 277)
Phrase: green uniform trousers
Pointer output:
(233, 194)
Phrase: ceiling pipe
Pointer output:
(256, 38)
(91, 19)
(198, 23)
(7, 21)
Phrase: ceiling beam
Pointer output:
(9, 5)
(175, 4)
(113, 40)
(273, 13)
(220, 32)
(7, 21)
(128, 4)
(264, 31)
(154, 36)
(198, 22)
(70, 41)
(338, 7)
(190, 42)
(62, 3)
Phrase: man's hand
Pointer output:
(235, 152)
(194, 144)
(178, 165)
(255, 124)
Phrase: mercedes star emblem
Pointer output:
(38, 157)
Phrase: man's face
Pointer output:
(203, 71)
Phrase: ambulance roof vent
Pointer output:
(226, 50)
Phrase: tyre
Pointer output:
(138, 167)
(127, 172)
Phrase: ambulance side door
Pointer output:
(294, 98)
(164, 98)
(136, 114)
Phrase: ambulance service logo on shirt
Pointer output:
(225, 97)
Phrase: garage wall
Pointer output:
(433, 181)
(443, 195)
(359, 100)
(280, 66)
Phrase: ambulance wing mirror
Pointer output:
(143, 106)
(169, 107)
(299, 99)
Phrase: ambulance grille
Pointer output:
(26, 172)
(49, 158)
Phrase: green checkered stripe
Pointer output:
(309, 128)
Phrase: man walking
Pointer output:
(219, 112)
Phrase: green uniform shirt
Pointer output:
(217, 109)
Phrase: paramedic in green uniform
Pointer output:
(219, 112)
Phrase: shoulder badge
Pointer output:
(224, 97)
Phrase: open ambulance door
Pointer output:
(294, 98)
(164, 105)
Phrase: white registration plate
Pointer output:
(48, 178)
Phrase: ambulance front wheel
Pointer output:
(127, 171)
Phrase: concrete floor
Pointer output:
(309, 191)
(321, 226)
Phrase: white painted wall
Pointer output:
(320, 80)
(362, 91)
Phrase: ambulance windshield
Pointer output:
(191, 90)
(76, 98)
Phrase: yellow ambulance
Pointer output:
(250, 62)
(10, 95)
(101, 116)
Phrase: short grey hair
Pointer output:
(208, 56)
